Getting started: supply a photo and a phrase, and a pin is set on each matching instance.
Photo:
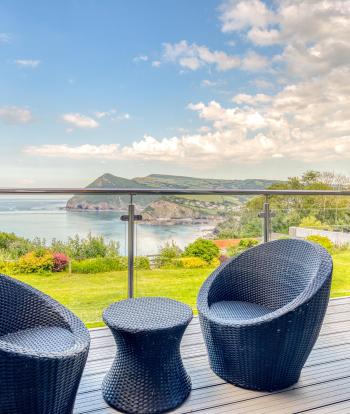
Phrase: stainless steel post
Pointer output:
(267, 220)
(131, 244)
(266, 223)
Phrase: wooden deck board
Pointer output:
(323, 387)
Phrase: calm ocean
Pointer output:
(46, 218)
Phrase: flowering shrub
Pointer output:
(323, 241)
(37, 261)
(247, 243)
(60, 261)
(190, 262)
(8, 267)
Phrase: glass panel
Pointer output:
(170, 224)
(74, 255)
(324, 220)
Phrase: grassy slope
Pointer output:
(88, 295)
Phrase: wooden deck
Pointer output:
(324, 387)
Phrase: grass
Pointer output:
(341, 274)
(88, 294)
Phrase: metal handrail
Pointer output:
(172, 191)
(266, 214)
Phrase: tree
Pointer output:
(205, 249)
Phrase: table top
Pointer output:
(147, 314)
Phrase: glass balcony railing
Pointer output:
(91, 254)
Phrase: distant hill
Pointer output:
(178, 181)
(108, 202)
(202, 206)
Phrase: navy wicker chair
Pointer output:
(261, 312)
(43, 350)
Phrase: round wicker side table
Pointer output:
(147, 375)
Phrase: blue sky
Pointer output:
(198, 88)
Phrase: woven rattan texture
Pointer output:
(147, 375)
(43, 350)
(238, 310)
(292, 279)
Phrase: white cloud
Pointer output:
(314, 34)
(239, 15)
(5, 38)
(28, 63)
(207, 82)
(305, 121)
(140, 58)
(15, 115)
(79, 152)
(113, 115)
(262, 83)
(80, 121)
(156, 63)
(254, 62)
(193, 56)
(243, 98)
(105, 114)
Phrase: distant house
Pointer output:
(224, 244)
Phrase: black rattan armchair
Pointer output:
(43, 350)
(261, 312)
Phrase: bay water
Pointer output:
(46, 217)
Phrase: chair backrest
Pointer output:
(23, 307)
(271, 274)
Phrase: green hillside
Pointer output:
(178, 181)
(119, 202)
(108, 202)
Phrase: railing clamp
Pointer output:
(125, 217)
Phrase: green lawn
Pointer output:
(341, 274)
(88, 294)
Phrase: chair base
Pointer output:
(259, 387)
(124, 409)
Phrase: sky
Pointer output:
(222, 89)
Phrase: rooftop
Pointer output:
(323, 387)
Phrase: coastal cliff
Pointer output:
(169, 209)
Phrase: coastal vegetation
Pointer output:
(89, 294)
(87, 274)
(322, 212)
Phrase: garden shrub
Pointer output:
(86, 248)
(215, 262)
(8, 268)
(99, 265)
(202, 248)
(108, 264)
(60, 261)
(142, 263)
(167, 254)
(247, 243)
(243, 245)
(13, 246)
(323, 241)
(37, 261)
(190, 262)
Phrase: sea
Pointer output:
(46, 217)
